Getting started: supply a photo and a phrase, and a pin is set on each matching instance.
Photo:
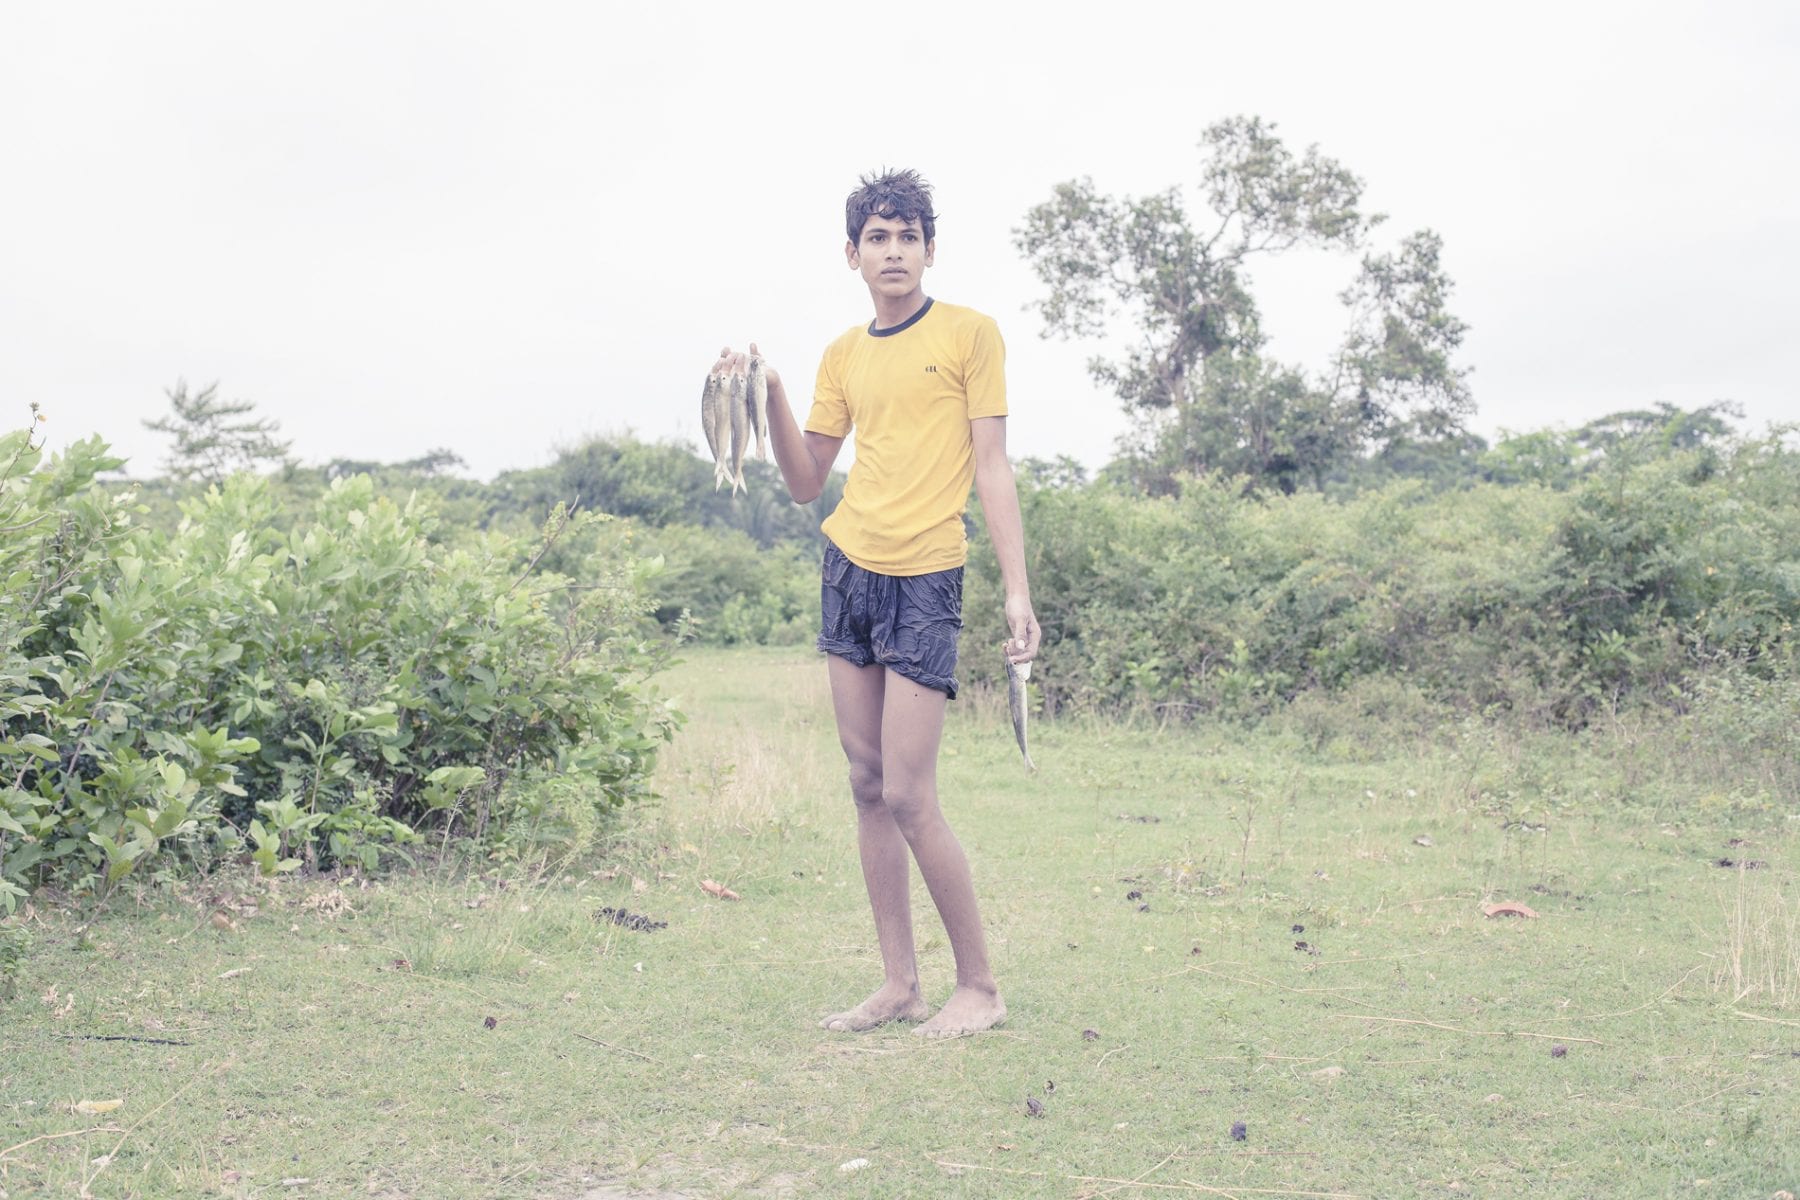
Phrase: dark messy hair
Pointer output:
(894, 195)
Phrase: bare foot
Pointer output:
(967, 1011)
(887, 1004)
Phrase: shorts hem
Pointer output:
(858, 655)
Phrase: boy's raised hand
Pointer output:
(737, 362)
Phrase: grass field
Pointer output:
(1198, 931)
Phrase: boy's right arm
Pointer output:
(805, 458)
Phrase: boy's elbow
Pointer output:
(804, 491)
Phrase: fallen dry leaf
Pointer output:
(1508, 909)
(235, 972)
(1328, 1072)
(719, 890)
(93, 1108)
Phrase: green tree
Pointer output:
(1204, 395)
(1560, 458)
(215, 438)
(1395, 367)
(664, 483)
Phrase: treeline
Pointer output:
(730, 570)
(1617, 578)
(1552, 574)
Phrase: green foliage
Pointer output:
(664, 483)
(719, 587)
(1560, 458)
(1556, 605)
(15, 940)
(211, 442)
(1204, 396)
(304, 692)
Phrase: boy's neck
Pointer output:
(890, 312)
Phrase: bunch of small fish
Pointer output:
(733, 407)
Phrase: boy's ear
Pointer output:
(850, 254)
(930, 251)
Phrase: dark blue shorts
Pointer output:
(907, 623)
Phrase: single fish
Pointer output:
(740, 431)
(712, 407)
(758, 398)
(1017, 676)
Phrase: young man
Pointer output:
(923, 387)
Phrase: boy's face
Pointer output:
(892, 255)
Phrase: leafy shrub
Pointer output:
(312, 693)
(721, 588)
(1552, 605)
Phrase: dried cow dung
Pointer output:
(629, 919)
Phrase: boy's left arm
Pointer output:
(999, 495)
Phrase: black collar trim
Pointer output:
(902, 326)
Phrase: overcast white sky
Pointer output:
(499, 227)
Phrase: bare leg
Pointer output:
(912, 725)
(856, 694)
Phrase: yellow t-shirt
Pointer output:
(910, 393)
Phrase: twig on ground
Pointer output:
(1714, 1096)
(1134, 1179)
(1551, 1037)
(1626, 1012)
(1771, 1020)
(49, 1137)
(621, 1049)
(1186, 1185)
(106, 1160)
(1102, 1059)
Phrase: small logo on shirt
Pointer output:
(932, 370)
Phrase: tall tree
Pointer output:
(1395, 366)
(1203, 393)
(214, 437)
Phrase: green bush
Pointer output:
(1552, 605)
(304, 693)
(722, 589)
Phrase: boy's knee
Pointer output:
(911, 807)
(865, 783)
